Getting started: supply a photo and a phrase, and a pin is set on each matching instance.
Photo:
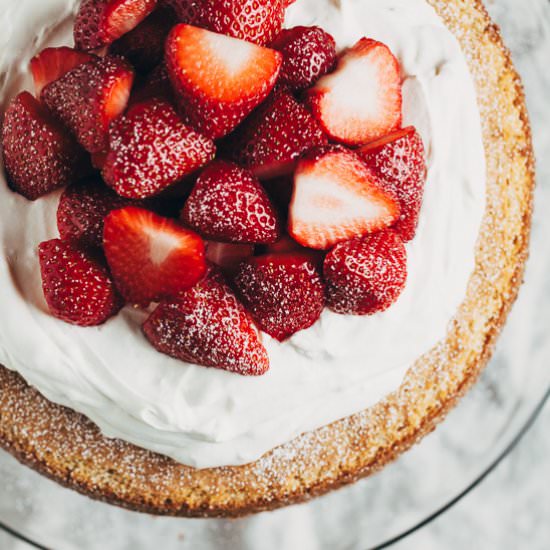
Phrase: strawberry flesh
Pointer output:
(76, 284)
(284, 293)
(151, 149)
(151, 258)
(336, 198)
(229, 204)
(39, 153)
(208, 326)
(366, 275)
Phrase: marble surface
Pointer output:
(510, 509)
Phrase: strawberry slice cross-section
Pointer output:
(151, 258)
(337, 198)
(219, 79)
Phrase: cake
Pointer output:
(295, 460)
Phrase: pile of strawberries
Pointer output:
(237, 175)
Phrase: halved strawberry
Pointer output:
(208, 326)
(229, 204)
(399, 161)
(151, 258)
(100, 22)
(219, 79)
(272, 139)
(309, 53)
(76, 284)
(39, 154)
(82, 210)
(337, 198)
(284, 293)
(151, 149)
(366, 275)
(143, 46)
(228, 256)
(52, 63)
(89, 97)
(361, 101)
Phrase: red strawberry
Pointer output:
(76, 284)
(309, 53)
(287, 245)
(273, 138)
(361, 101)
(228, 256)
(82, 210)
(208, 326)
(229, 204)
(284, 293)
(52, 63)
(100, 22)
(143, 46)
(337, 198)
(89, 97)
(39, 154)
(187, 11)
(151, 149)
(219, 79)
(399, 161)
(367, 274)
(151, 258)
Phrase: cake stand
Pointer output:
(406, 495)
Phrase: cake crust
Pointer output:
(68, 448)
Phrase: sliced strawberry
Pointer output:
(52, 63)
(309, 53)
(228, 204)
(219, 79)
(100, 22)
(151, 149)
(40, 155)
(82, 210)
(89, 97)
(361, 101)
(337, 198)
(151, 258)
(273, 138)
(284, 293)
(143, 46)
(208, 326)
(228, 256)
(76, 284)
(399, 161)
(366, 275)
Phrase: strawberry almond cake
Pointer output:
(251, 250)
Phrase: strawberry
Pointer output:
(151, 149)
(82, 210)
(39, 154)
(76, 284)
(309, 53)
(143, 46)
(361, 101)
(208, 326)
(273, 138)
(100, 22)
(52, 63)
(367, 274)
(229, 204)
(284, 293)
(151, 258)
(89, 97)
(228, 256)
(218, 79)
(187, 11)
(336, 198)
(287, 245)
(399, 161)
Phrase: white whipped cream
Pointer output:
(207, 417)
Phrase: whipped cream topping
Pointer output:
(207, 417)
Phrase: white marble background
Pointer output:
(510, 510)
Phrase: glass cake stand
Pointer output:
(406, 495)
